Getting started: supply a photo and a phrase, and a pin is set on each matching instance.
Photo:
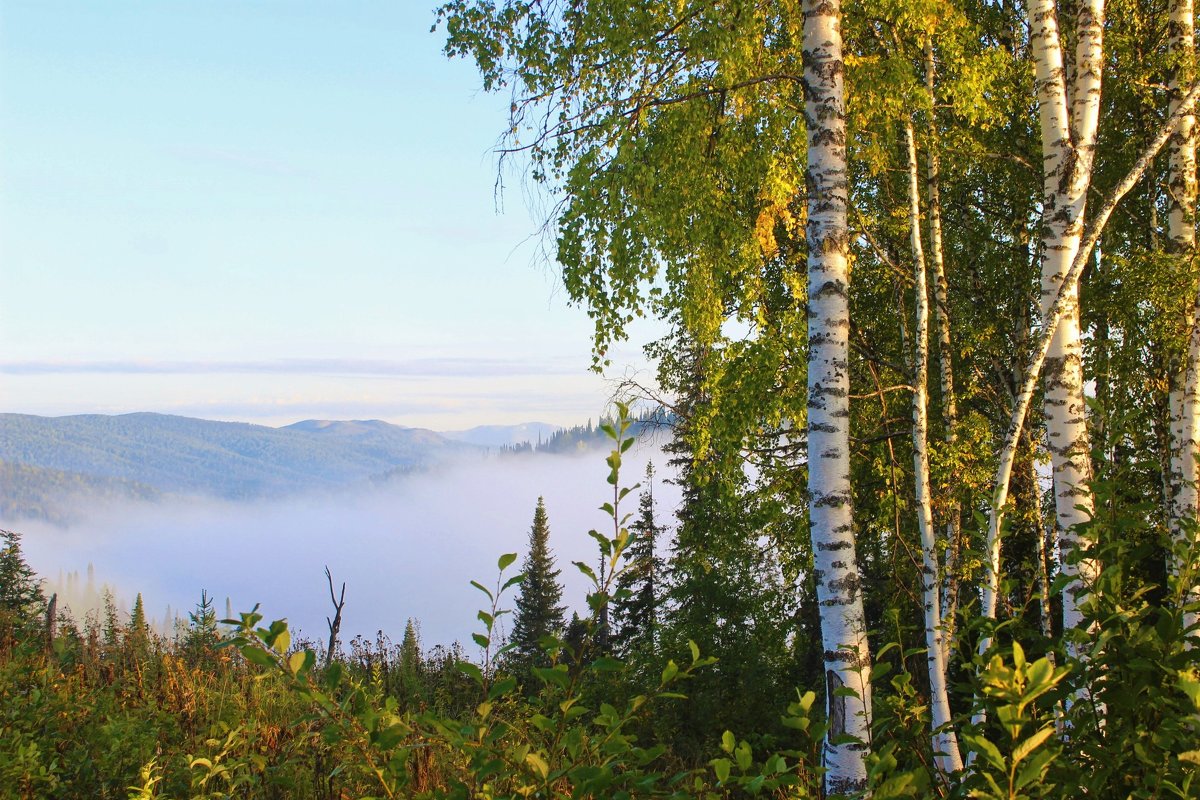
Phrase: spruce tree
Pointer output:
(202, 634)
(539, 611)
(21, 599)
(20, 589)
(137, 634)
(411, 666)
(635, 607)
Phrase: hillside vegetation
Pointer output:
(141, 453)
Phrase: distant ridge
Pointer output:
(236, 460)
(53, 468)
(505, 435)
(28, 492)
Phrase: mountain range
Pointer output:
(45, 462)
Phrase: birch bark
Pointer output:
(1181, 237)
(1068, 133)
(945, 741)
(941, 313)
(843, 626)
(1058, 312)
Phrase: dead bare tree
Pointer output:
(335, 624)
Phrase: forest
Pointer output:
(932, 378)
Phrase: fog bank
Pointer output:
(404, 550)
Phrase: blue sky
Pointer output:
(269, 211)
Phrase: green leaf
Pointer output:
(1029, 745)
(506, 560)
(502, 687)
(728, 741)
(1035, 768)
(483, 589)
(721, 766)
(556, 675)
(470, 670)
(298, 661)
(989, 751)
(256, 655)
(744, 756)
(608, 664)
(538, 763)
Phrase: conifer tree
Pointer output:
(411, 664)
(137, 637)
(539, 611)
(635, 607)
(202, 634)
(20, 590)
(21, 599)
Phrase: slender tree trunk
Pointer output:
(1059, 309)
(1181, 235)
(843, 627)
(51, 622)
(335, 624)
(945, 742)
(1068, 150)
(1043, 536)
(941, 313)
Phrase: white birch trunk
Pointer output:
(1181, 235)
(843, 626)
(1058, 312)
(945, 741)
(941, 313)
(1068, 150)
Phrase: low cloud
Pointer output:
(405, 550)
(416, 367)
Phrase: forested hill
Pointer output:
(180, 455)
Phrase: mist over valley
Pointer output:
(405, 517)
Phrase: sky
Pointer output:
(271, 211)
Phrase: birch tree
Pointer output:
(1181, 238)
(1068, 129)
(945, 743)
(1061, 304)
(941, 315)
(843, 626)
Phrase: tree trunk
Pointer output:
(843, 626)
(1058, 312)
(1181, 237)
(945, 742)
(1068, 150)
(941, 313)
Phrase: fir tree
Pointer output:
(202, 634)
(20, 589)
(411, 663)
(539, 611)
(137, 637)
(635, 607)
(21, 599)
